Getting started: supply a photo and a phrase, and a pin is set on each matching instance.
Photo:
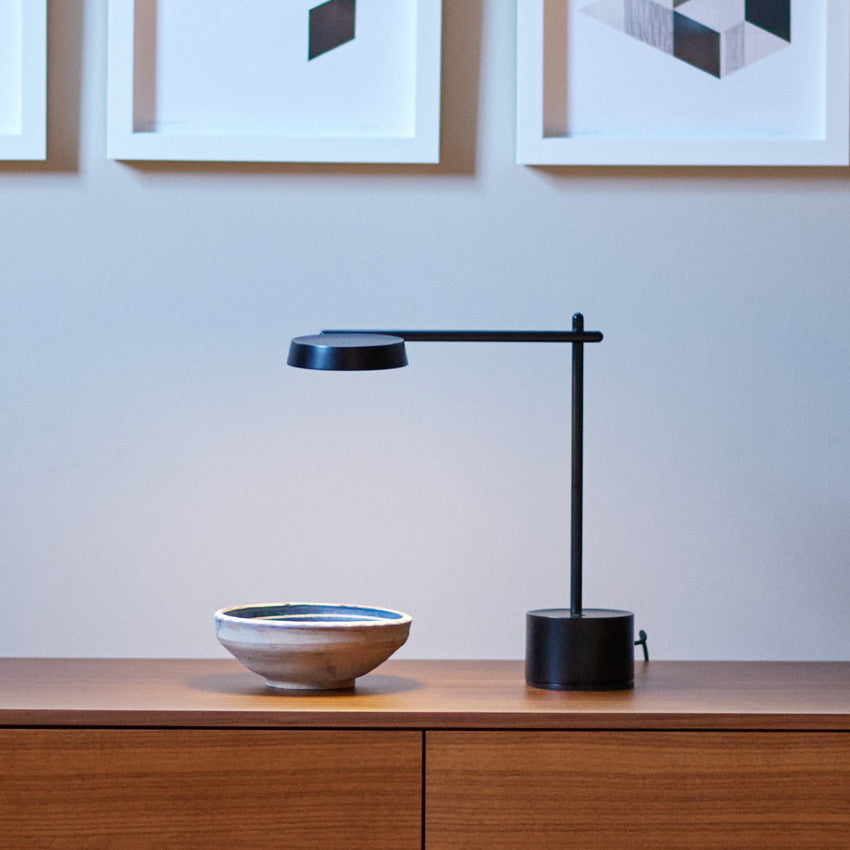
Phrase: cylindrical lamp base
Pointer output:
(593, 651)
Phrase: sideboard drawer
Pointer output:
(128, 788)
(638, 789)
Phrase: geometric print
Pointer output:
(716, 36)
(331, 24)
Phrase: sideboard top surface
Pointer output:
(423, 695)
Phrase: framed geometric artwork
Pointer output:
(683, 82)
(273, 81)
(23, 79)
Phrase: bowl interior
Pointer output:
(298, 612)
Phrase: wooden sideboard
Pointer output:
(438, 754)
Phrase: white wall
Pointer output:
(159, 461)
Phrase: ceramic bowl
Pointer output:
(307, 645)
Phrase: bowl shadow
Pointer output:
(250, 684)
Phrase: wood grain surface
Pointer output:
(201, 754)
(196, 788)
(653, 790)
(423, 694)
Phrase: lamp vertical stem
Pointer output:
(577, 470)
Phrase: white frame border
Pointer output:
(532, 148)
(124, 143)
(31, 142)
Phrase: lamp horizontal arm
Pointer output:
(483, 336)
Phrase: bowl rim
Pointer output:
(398, 617)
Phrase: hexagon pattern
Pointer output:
(715, 36)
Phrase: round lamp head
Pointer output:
(347, 352)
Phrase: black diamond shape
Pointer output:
(696, 44)
(771, 15)
(331, 24)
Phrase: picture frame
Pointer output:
(23, 79)
(333, 81)
(658, 82)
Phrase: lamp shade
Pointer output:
(347, 352)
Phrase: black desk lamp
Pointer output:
(577, 649)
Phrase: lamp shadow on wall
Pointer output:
(64, 75)
(459, 97)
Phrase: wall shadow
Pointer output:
(693, 173)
